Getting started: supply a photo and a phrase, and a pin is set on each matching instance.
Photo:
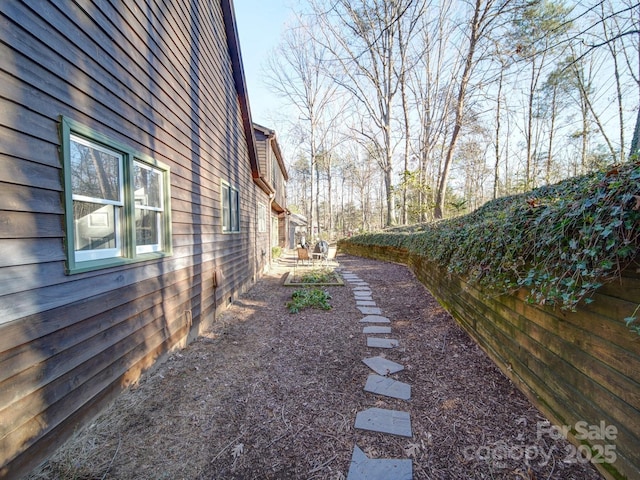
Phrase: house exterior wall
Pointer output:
(274, 173)
(155, 76)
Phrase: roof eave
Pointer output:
(233, 44)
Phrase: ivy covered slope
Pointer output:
(560, 241)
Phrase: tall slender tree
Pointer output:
(297, 72)
(484, 14)
(363, 36)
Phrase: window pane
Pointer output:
(235, 214)
(95, 170)
(226, 211)
(147, 227)
(147, 186)
(95, 226)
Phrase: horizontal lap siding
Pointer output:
(573, 366)
(133, 72)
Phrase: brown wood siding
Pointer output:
(263, 244)
(575, 366)
(263, 148)
(155, 76)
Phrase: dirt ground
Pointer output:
(271, 395)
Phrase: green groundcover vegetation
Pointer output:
(560, 241)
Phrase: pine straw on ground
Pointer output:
(271, 395)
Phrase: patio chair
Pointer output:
(321, 252)
(303, 254)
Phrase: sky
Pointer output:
(260, 25)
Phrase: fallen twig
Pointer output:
(112, 459)
(226, 447)
(286, 434)
(320, 467)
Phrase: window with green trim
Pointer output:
(116, 201)
(230, 208)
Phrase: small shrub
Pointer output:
(309, 298)
(276, 252)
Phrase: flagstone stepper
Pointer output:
(365, 468)
(375, 319)
(381, 420)
(368, 298)
(370, 310)
(387, 387)
(376, 329)
(378, 342)
(382, 366)
(365, 303)
(362, 293)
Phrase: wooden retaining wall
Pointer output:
(575, 367)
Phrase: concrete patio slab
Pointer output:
(376, 329)
(375, 319)
(370, 310)
(377, 342)
(365, 468)
(382, 366)
(381, 420)
(387, 387)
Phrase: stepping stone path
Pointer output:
(365, 303)
(370, 310)
(364, 468)
(375, 319)
(388, 387)
(392, 422)
(382, 342)
(382, 366)
(384, 421)
(376, 329)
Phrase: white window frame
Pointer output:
(262, 217)
(125, 208)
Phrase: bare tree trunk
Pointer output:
(459, 111)
(584, 89)
(554, 96)
(496, 166)
(329, 196)
(635, 141)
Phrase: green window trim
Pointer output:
(230, 201)
(120, 195)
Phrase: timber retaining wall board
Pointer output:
(581, 366)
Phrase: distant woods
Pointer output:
(404, 111)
